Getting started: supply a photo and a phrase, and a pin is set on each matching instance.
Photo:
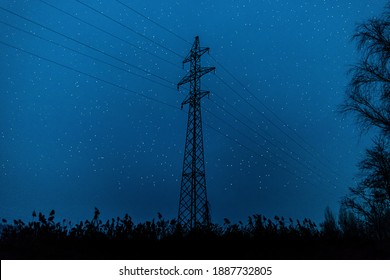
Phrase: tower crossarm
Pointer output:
(193, 53)
(189, 97)
(186, 79)
(205, 70)
(190, 76)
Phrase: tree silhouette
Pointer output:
(368, 94)
(370, 199)
(368, 99)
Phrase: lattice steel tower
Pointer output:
(193, 207)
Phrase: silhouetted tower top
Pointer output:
(193, 206)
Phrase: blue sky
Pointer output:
(72, 142)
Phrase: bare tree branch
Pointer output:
(368, 93)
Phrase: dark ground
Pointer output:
(119, 238)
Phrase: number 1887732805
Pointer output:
(242, 270)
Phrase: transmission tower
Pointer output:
(193, 206)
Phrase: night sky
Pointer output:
(110, 133)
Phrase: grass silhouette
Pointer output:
(121, 238)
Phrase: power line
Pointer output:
(245, 88)
(252, 140)
(140, 94)
(276, 155)
(278, 118)
(110, 34)
(86, 55)
(156, 23)
(128, 28)
(89, 75)
(253, 130)
(257, 110)
(117, 86)
(278, 165)
(259, 155)
(305, 165)
(103, 52)
(273, 123)
(85, 45)
(251, 121)
(246, 125)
